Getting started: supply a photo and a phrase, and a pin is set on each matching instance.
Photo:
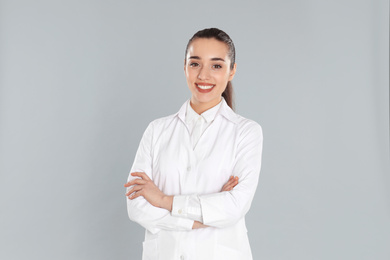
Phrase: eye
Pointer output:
(217, 66)
(194, 64)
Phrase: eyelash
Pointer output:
(216, 66)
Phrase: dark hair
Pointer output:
(225, 38)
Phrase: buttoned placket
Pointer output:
(194, 156)
(196, 127)
(189, 175)
(187, 180)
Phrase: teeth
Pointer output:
(205, 87)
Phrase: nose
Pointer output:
(204, 74)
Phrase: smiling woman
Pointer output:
(208, 70)
(215, 50)
(196, 171)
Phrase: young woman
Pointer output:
(196, 172)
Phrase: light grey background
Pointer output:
(80, 81)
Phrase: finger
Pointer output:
(136, 195)
(229, 181)
(134, 189)
(235, 182)
(141, 174)
(230, 187)
(129, 183)
(136, 174)
(232, 183)
(135, 182)
(227, 188)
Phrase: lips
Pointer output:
(204, 87)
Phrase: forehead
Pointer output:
(208, 48)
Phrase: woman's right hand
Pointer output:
(232, 182)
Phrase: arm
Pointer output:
(139, 209)
(218, 209)
(145, 187)
(225, 208)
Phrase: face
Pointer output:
(207, 70)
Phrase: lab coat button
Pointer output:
(180, 211)
(181, 257)
(189, 168)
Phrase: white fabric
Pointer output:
(231, 145)
(197, 124)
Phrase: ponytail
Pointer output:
(228, 95)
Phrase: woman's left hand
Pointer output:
(145, 187)
(232, 182)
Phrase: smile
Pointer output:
(205, 86)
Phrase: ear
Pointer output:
(232, 72)
(184, 65)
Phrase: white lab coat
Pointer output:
(231, 145)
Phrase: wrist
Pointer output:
(167, 202)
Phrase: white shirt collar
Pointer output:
(207, 115)
(223, 110)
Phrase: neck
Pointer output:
(200, 107)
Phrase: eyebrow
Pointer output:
(198, 58)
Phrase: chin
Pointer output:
(204, 99)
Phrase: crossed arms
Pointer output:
(155, 211)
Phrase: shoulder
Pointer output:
(172, 118)
(246, 126)
(243, 125)
(162, 122)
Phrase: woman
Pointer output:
(196, 172)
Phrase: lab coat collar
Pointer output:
(208, 115)
(224, 110)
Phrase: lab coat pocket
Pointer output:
(150, 250)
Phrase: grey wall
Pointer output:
(80, 81)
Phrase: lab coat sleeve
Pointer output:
(223, 209)
(139, 209)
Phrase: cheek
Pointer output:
(222, 78)
(190, 78)
(190, 75)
